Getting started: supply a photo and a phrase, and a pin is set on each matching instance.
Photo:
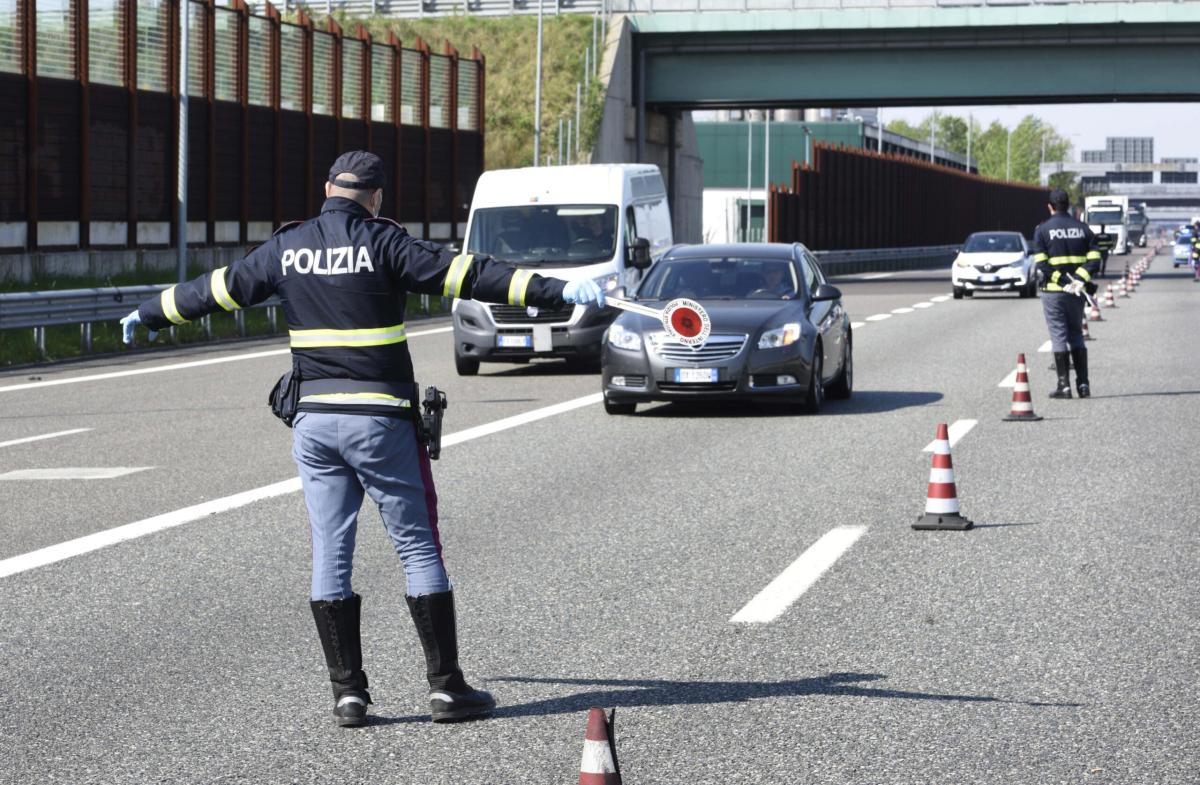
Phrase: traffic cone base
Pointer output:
(947, 522)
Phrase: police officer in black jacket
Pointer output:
(344, 278)
(1067, 258)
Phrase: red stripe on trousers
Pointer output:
(430, 495)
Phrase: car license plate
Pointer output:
(514, 341)
(987, 279)
(695, 375)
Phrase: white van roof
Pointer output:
(584, 184)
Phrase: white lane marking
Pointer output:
(801, 574)
(73, 473)
(856, 325)
(941, 298)
(925, 304)
(1010, 380)
(875, 276)
(54, 435)
(520, 419)
(902, 310)
(1045, 347)
(879, 317)
(130, 531)
(958, 429)
(95, 377)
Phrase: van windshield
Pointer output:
(546, 234)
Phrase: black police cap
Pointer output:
(366, 167)
(1059, 198)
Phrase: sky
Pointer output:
(1173, 126)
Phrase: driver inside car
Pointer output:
(777, 281)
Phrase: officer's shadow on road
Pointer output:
(658, 692)
(862, 402)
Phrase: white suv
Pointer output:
(994, 262)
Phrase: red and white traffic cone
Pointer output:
(1022, 401)
(1109, 302)
(941, 501)
(1093, 314)
(1124, 288)
(599, 763)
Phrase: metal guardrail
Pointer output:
(836, 263)
(39, 310)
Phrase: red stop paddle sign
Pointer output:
(686, 321)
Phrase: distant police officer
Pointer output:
(1067, 257)
(1196, 249)
(343, 278)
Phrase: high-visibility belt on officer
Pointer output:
(1052, 283)
(352, 392)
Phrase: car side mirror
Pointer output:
(826, 292)
(639, 254)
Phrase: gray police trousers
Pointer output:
(1064, 317)
(343, 456)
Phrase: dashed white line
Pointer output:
(879, 317)
(958, 429)
(1045, 347)
(130, 531)
(177, 366)
(925, 304)
(941, 298)
(856, 325)
(54, 435)
(1010, 380)
(902, 310)
(73, 473)
(875, 276)
(799, 576)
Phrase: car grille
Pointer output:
(516, 314)
(697, 387)
(715, 349)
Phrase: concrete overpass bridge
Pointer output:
(738, 54)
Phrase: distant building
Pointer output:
(1180, 160)
(1122, 150)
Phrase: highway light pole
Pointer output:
(182, 151)
(767, 175)
(537, 93)
(1008, 155)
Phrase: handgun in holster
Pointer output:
(430, 424)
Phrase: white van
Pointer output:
(608, 222)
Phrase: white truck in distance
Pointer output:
(607, 222)
(1106, 215)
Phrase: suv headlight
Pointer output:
(621, 338)
(962, 261)
(780, 336)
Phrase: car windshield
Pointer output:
(1110, 215)
(698, 279)
(993, 243)
(558, 234)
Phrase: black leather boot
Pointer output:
(450, 697)
(337, 625)
(1079, 357)
(1062, 366)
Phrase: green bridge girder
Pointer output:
(1140, 51)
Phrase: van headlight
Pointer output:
(780, 336)
(621, 338)
(608, 282)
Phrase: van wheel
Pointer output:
(465, 366)
(615, 408)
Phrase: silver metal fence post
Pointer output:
(182, 149)
(537, 92)
(206, 322)
(587, 67)
(578, 115)
(560, 141)
(569, 141)
(39, 340)
(85, 336)
(272, 317)
(240, 318)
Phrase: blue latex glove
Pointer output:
(129, 323)
(584, 291)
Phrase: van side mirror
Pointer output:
(826, 292)
(639, 254)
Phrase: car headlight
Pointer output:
(621, 338)
(1018, 263)
(780, 336)
(608, 282)
(962, 261)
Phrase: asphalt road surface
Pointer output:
(599, 561)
